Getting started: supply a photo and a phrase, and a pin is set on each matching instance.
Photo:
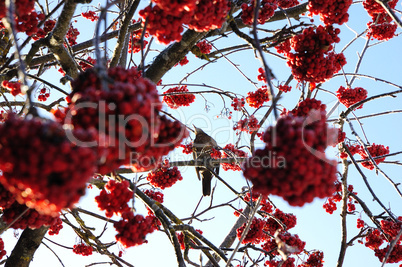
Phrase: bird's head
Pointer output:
(197, 130)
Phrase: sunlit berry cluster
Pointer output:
(87, 63)
(332, 11)
(176, 8)
(180, 237)
(313, 59)
(134, 45)
(265, 205)
(44, 94)
(354, 149)
(47, 27)
(350, 96)
(187, 148)
(258, 98)
(255, 234)
(30, 217)
(91, 15)
(22, 7)
(55, 228)
(209, 15)
(164, 176)
(72, 35)
(330, 204)
(248, 125)
(287, 3)
(132, 229)
(113, 199)
(374, 9)
(40, 166)
(290, 262)
(293, 164)
(287, 219)
(181, 99)
(381, 31)
(131, 131)
(82, 249)
(204, 47)
(266, 11)
(315, 259)
(306, 106)
(14, 87)
(183, 61)
(238, 103)
(284, 88)
(230, 151)
(375, 151)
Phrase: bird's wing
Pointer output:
(195, 156)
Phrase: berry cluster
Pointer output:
(179, 98)
(87, 63)
(2, 251)
(375, 151)
(47, 27)
(174, 7)
(30, 218)
(381, 31)
(187, 149)
(132, 229)
(353, 150)
(22, 7)
(204, 47)
(394, 257)
(180, 237)
(313, 60)
(209, 15)
(255, 235)
(6, 198)
(349, 96)
(183, 61)
(238, 103)
(41, 166)
(333, 11)
(306, 106)
(44, 94)
(230, 151)
(261, 75)
(82, 249)
(55, 228)
(315, 259)
(293, 163)
(287, 219)
(165, 27)
(131, 131)
(114, 200)
(266, 11)
(248, 125)
(14, 87)
(256, 99)
(360, 223)
(330, 204)
(91, 15)
(287, 3)
(284, 47)
(164, 176)
(290, 262)
(284, 88)
(134, 45)
(72, 35)
(374, 9)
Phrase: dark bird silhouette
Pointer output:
(202, 148)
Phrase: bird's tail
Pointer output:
(206, 183)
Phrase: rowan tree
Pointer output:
(99, 100)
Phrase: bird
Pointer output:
(202, 148)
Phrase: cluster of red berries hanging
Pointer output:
(181, 239)
(248, 125)
(255, 235)
(82, 249)
(293, 164)
(375, 239)
(40, 166)
(87, 63)
(47, 27)
(134, 45)
(91, 15)
(230, 151)
(330, 204)
(287, 3)
(258, 98)
(181, 99)
(332, 11)
(375, 151)
(165, 20)
(132, 229)
(293, 241)
(123, 108)
(14, 87)
(350, 96)
(381, 27)
(44, 94)
(26, 18)
(114, 198)
(313, 59)
(266, 11)
(30, 218)
(164, 176)
(238, 103)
